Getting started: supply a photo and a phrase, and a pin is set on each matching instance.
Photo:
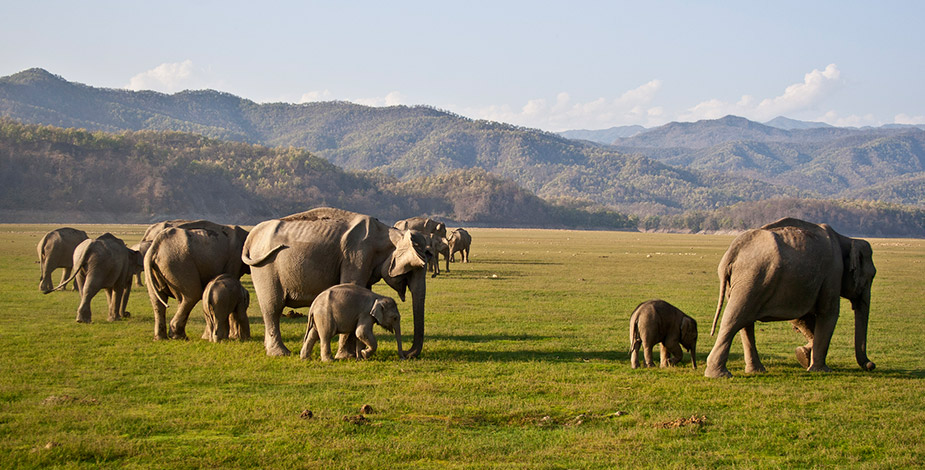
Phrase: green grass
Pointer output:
(525, 365)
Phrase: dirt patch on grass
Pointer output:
(67, 399)
(681, 422)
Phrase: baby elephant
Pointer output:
(224, 304)
(346, 309)
(657, 321)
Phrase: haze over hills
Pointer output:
(668, 170)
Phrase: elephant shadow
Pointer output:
(516, 261)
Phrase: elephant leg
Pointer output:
(634, 355)
(80, 279)
(138, 279)
(160, 315)
(208, 332)
(663, 360)
(67, 274)
(647, 353)
(240, 324)
(365, 336)
(347, 346)
(123, 306)
(753, 364)
(325, 346)
(738, 315)
(673, 353)
(805, 325)
(115, 303)
(465, 259)
(178, 323)
(308, 342)
(90, 289)
(271, 306)
(825, 326)
(222, 327)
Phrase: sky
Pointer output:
(549, 65)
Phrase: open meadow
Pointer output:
(525, 365)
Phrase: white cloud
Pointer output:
(632, 107)
(324, 95)
(167, 77)
(802, 96)
(904, 118)
(392, 99)
(853, 120)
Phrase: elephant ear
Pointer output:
(378, 312)
(688, 331)
(406, 256)
(856, 274)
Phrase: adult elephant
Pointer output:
(792, 270)
(295, 258)
(435, 234)
(180, 263)
(56, 250)
(104, 263)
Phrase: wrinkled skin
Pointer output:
(350, 309)
(148, 237)
(181, 261)
(792, 270)
(224, 305)
(657, 321)
(295, 258)
(56, 250)
(435, 233)
(459, 242)
(104, 263)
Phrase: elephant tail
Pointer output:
(153, 278)
(245, 256)
(635, 341)
(723, 282)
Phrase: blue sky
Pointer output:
(550, 65)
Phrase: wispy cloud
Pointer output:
(632, 107)
(392, 99)
(904, 118)
(167, 77)
(802, 96)
(323, 95)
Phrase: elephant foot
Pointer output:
(869, 366)
(803, 356)
(755, 369)
(178, 335)
(279, 350)
(112, 319)
(816, 368)
(126, 314)
(717, 373)
(83, 320)
(344, 355)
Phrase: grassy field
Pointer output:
(525, 365)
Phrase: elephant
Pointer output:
(346, 309)
(104, 263)
(224, 305)
(792, 270)
(159, 227)
(141, 247)
(295, 258)
(459, 241)
(657, 321)
(181, 261)
(56, 250)
(435, 232)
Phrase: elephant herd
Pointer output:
(292, 261)
(328, 259)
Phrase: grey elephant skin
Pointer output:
(56, 250)
(295, 258)
(435, 233)
(792, 270)
(657, 321)
(459, 242)
(142, 248)
(350, 309)
(224, 305)
(181, 261)
(104, 263)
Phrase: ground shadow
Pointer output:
(514, 261)
(486, 338)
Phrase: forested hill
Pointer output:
(50, 174)
(405, 142)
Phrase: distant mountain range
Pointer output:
(665, 170)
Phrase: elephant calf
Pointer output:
(657, 321)
(345, 309)
(224, 305)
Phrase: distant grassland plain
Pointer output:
(525, 365)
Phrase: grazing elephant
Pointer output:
(104, 263)
(792, 270)
(225, 298)
(295, 258)
(459, 242)
(350, 309)
(435, 232)
(181, 261)
(657, 321)
(56, 250)
(141, 247)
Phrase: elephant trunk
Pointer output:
(861, 309)
(397, 330)
(418, 292)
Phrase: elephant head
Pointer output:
(385, 314)
(857, 276)
(405, 270)
(689, 337)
